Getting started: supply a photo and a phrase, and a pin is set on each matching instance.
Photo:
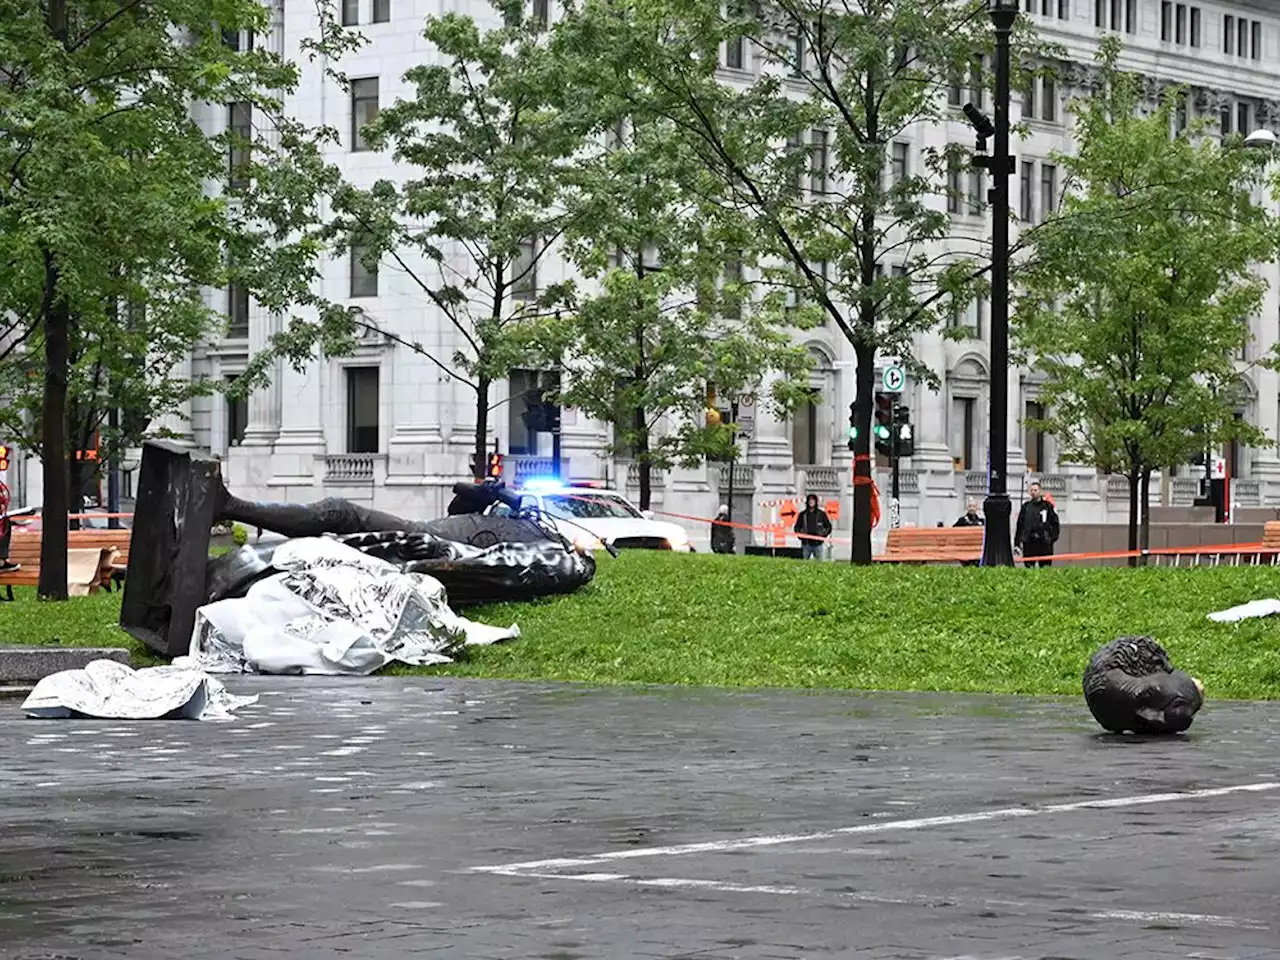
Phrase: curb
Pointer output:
(23, 666)
(14, 693)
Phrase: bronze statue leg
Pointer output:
(330, 515)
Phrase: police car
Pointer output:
(588, 515)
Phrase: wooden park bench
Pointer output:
(112, 547)
(933, 545)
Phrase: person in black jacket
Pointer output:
(813, 520)
(1037, 529)
(722, 538)
(972, 516)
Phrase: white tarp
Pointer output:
(1247, 611)
(333, 610)
(107, 690)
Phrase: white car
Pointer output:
(585, 516)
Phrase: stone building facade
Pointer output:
(385, 427)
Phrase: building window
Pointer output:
(364, 107)
(1255, 41)
(541, 12)
(1033, 437)
(1224, 121)
(955, 93)
(732, 308)
(1064, 9)
(1166, 20)
(1131, 16)
(733, 53)
(350, 13)
(381, 11)
(797, 53)
(975, 193)
(240, 130)
(804, 429)
(898, 166)
(524, 272)
(528, 429)
(1242, 37)
(962, 432)
(1049, 101)
(362, 409)
(1026, 199)
(954, 186)
(237, 411)
(237, 311)
(820, 160)
(1244, 119)
(1100, 13)
(1029, 98)
(364, 272)
(1048, 189)
(976, 71)
(1180, 24)
(1228, 34)
(1195, 26)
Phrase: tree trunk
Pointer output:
(1144, 536)
(1133, 513)
(643, 463)
(482, 427)
(53, 445)
(862, 472)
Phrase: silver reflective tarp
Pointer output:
(334, 610)
(108, 690)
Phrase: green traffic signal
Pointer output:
(853, 433)
(882, 432)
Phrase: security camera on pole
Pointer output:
(997, 549)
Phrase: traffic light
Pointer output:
(883, 428)
(4, 456)
(494, 468)
(853, 425)
(906, 435)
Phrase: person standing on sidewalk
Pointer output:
(814, 522)
(722, 539)
(1038, 529)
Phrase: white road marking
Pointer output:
(1199, 919)
(725, 886)
(882, 826)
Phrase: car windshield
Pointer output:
(588, 505)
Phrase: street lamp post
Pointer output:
(997, 550)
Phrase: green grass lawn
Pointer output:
(734, 621)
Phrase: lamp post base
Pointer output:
(997, 546)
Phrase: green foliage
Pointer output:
(485, 152)
(828, 222)
(105, 203)
(1137, 296)
(712, 620)
(239, 534)
(659, 323)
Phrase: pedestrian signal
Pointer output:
(4, 456)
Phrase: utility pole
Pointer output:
(997, 549)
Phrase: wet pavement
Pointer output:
(402, 817)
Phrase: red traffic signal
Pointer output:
(4, 456)
(495, 465)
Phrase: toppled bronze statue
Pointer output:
(478, 557)
(1131, 686)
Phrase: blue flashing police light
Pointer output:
(543, 485)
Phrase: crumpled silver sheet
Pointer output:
(333, 610)
(108, 690)
(1247, 611)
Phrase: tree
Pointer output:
(805, 150)
(666, 321)
(105, 205)
(487, 152)
(1135, 301)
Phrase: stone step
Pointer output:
(26, 665)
